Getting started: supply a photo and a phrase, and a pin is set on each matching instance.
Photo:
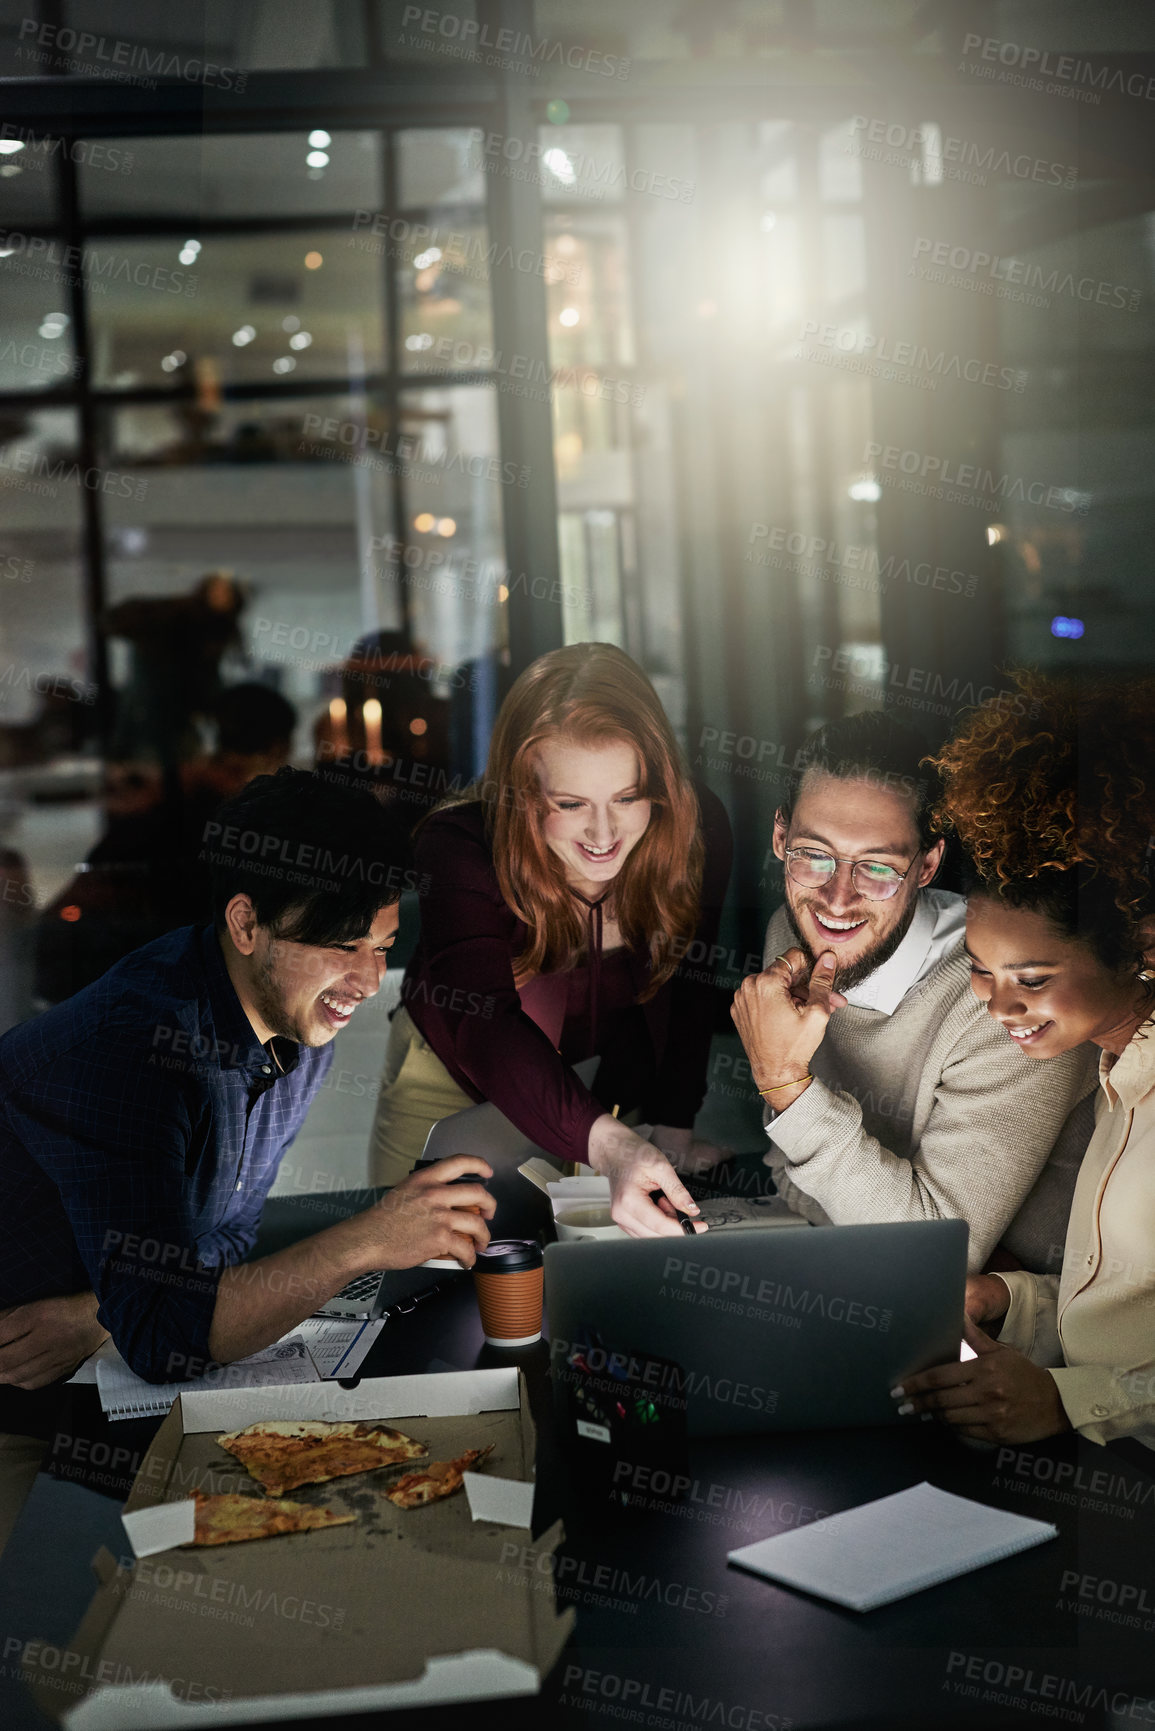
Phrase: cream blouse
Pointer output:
(1095, 1323)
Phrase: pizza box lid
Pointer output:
(307, 1625)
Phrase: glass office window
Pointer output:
(307, 172)
(210, 44)
(291, 497)
(42, 630)
(1073, 537)
(453, 565)
(442, 166)
(443, 293)
(238, 309)
(36, 346)
(28, 175)
(587, 289)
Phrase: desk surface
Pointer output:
(667, 1634)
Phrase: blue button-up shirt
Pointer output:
(141, 1127)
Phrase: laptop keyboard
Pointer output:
(365, 1286)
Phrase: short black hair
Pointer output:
(872, 746)
(317, 861)
(253, 718)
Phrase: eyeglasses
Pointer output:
(875, 881)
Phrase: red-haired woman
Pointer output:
(568, 911)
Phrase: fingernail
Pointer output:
(898, 1391)
(906, 1407)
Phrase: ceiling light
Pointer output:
(446, 526)
(426, 258)
(317, 159)
(170, 363)
(568, 316)
(560, 166)
(244, 336)
(9, 146)
(313, 260)
(867, 492)
(423, 523)
(284, 364)
(292, 323)
(319, 139)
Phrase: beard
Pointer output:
(846, 978)
(269, 1001)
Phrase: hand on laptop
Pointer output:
(46, 1339)
(428, 1214)
(997, 1396)
(635, 1170)
(781, 1016)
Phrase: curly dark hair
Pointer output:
(1054, 802)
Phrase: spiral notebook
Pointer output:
(318, 1349)
(884, 1550)
(123, 1394)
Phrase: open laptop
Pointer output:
(748, 1330)
(522, 1210)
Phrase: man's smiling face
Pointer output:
(853, 820)
(309, 992)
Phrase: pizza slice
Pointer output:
(226, 1520)
(438, 1479)
(281, 1454)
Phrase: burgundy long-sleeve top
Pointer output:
(459, 990)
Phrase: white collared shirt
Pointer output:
(937, 927)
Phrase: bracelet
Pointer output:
(777, 1089)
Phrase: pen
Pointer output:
(684, 1220)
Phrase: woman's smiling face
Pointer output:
(595, 814)
(1049, 991)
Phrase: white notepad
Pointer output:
(318, 1349)
(123, 1394)
(884, 1550)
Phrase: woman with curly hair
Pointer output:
(570, 905)
(1055, 805)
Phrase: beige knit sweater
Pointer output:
(932, 1113)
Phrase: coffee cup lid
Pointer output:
(508, 1255)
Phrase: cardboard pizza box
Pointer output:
(403, 1608)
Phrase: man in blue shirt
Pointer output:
(142, 1122)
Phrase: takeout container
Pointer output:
(570, 1197)
(405, 1608)
(578, 1220)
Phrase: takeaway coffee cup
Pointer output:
(508, 1279)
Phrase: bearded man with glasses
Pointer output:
(889, 1093)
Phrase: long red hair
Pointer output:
(593, 694)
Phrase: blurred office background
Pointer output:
(361, 351)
